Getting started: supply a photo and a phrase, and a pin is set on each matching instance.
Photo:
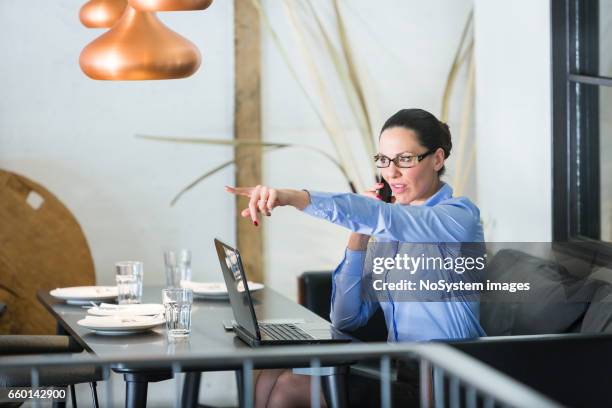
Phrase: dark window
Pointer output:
(582, 126)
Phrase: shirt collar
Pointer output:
(444, 192)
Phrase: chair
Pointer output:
(11, 345)
(41, 246)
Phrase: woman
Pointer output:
(413, 146)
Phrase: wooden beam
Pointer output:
(247, 126)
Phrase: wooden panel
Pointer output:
(42, 246)
(247, 125)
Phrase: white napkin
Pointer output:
(120, 319)
(144, 309)
(205, 287)
(215, 288)
(115, 322)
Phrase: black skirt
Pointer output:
(364, 390)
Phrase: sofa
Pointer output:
(539, 339)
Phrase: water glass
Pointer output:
(178, 267)
(177, 304)
(129, 281)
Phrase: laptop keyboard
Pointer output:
(284, 331)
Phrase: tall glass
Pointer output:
(177, 305)
(129, 281)
(178, 267)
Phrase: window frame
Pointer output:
(575, 127)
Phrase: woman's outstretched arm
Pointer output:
(455, 220)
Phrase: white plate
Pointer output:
(79, 295)
(117, 325)
(215, 290)
(117, 333)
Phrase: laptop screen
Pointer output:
(239, 295)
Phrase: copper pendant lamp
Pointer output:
(170, 5)
(139, 47)
(101, 13)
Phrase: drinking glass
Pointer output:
(178, 267)
(129, 281)
(177, 304)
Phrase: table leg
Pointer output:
(136, 386)
(191, 389)
(135, 392)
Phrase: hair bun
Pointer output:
(445, 139)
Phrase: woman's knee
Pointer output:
(290, 390)
(264, 384)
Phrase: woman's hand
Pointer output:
(373, 191)
(263, 199)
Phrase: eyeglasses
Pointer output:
(403, 160)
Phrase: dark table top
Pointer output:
(207, 332)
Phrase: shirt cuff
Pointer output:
(319, 203)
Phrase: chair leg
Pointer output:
(59, 404)
(73, 396)
(94, 393)
(239, 387)
(335, 390)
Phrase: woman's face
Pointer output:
(409, 185)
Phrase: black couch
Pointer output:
(557, 339)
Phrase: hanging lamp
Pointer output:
(101, 13)
(139, 47)
(170, 5)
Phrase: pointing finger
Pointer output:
(242, 191)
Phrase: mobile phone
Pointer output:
(385, 192)
(228, 325)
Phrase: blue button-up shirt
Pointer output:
(441, 219)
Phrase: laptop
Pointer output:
(247, 327)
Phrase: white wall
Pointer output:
(513, 118)
(404, 49)
(76, 136)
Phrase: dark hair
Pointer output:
(429, 130)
